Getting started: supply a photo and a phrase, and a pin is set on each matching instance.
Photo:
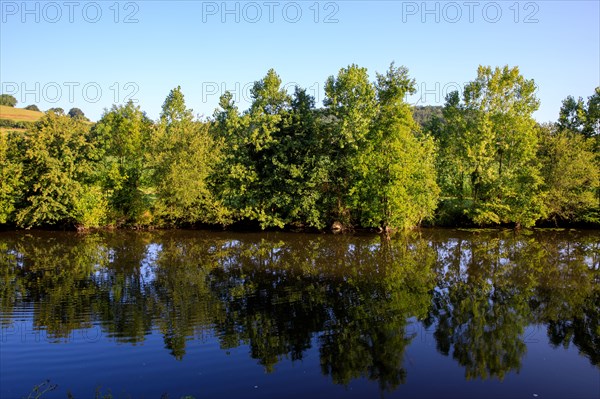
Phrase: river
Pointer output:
(166, 314)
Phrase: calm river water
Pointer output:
(440, 313)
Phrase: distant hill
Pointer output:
(425, 113)
(19, 114)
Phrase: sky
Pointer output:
(93, 54)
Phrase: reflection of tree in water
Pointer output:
(491, 286)
(121, 302)
(279, 294)
(268, 303)
(484, 331)
(184, 307)
(53, 276)
(365, 336)
(11, 281)
(480, 315)
(568, 296)
(583, 330)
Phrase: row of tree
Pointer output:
(361, 160)
(497, 165)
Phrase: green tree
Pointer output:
(8, 100)
(490, 147)
(76, 113)
(303, 163)
(57, 111)
(267, 116)
(231, 178)
(184, 155)
(592, 127)
(32, 107)
(251, 185)
(11, 175)
(350, 99)
(581, 117)
(572, 114)
(571, 175)
(122, 137)
(397, 165)
(57, 175)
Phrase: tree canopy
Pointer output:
(8, 100)
(76, 113)
(365, 159)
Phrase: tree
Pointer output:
(303, 163)
(490, 146)
(11, 179)
(32, 107)
(58, 111)
(57, 175)
(578, 117)
(581, 117)
(122, 136)
(8, 100)
(251, 185)
(592, 127)
(230, 179)
(184, 155)
(571, 175)
(397, 165)
(350, 100)
(267, 118)
(572, 114)
(76, 113)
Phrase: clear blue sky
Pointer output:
(84, 54)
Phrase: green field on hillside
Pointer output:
(19, 114)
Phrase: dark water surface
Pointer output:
(442, 313)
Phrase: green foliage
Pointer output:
(398, 178)
(303, 163)
(76, 113)
(593, 116)
(56, 157)
(57, 110)
(488, 148)
(92, 207)
(11, 171)
(350, 100)
(184, 155)
(32, 107)
(571, 174)
(252, 186)
(360, 161)
(580, 117)
(9, 123)
(424, 115)
(8, 100)
(364, 159)
(274, 157)
(121, 137)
